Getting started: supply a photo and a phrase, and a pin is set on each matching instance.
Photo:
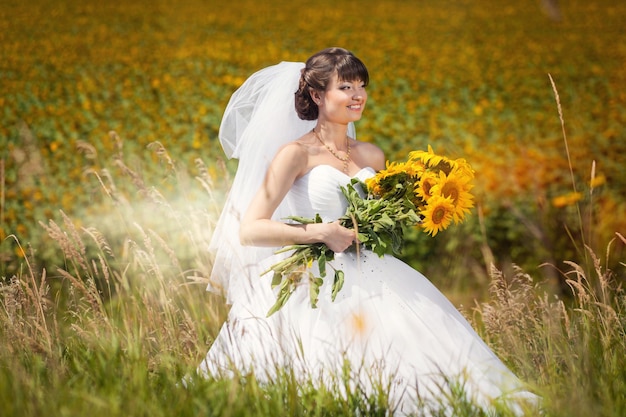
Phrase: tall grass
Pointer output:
(117, 327)
(572, 346)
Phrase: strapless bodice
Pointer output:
(319, 192)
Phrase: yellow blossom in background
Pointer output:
(597, 181)
(38, 195)
(197, 140)
(568, 199)
(19, 252)
(20, 230)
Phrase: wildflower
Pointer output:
(566, 199)
(597, 181)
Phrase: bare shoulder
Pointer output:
(293, 155)
(370, 155)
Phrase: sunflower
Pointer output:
(373, 185)
(437, 215)
(440, 163)
(395, 181)
(425, 184)
(415, 168)
(428, 158)
(463, 167)
(456, 186)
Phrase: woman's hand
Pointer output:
(336, 237)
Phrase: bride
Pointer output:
(389, 323)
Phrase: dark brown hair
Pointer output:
(318, 73)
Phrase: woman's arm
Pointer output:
(257, 228)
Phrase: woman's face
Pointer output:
(343, 101)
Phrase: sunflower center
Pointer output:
(449, 190)
(439, 213)
(427, 186)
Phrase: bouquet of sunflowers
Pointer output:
(427, 191)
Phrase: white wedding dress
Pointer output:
(391, 324)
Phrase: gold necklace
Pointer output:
(344, 159)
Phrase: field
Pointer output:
(111, 179)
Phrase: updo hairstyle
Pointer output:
(318, 72)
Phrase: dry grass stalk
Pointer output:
(545, 337)
(26, 315)
(158, 148)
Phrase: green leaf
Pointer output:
(386, 220)
(337, 284)
(321, 263)
(285, 292)
(302, 220)
(276, 279)
(314, 289)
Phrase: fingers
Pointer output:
(339, 238)
(342, 239)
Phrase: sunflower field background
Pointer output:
(110, 166)
(471, 79)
